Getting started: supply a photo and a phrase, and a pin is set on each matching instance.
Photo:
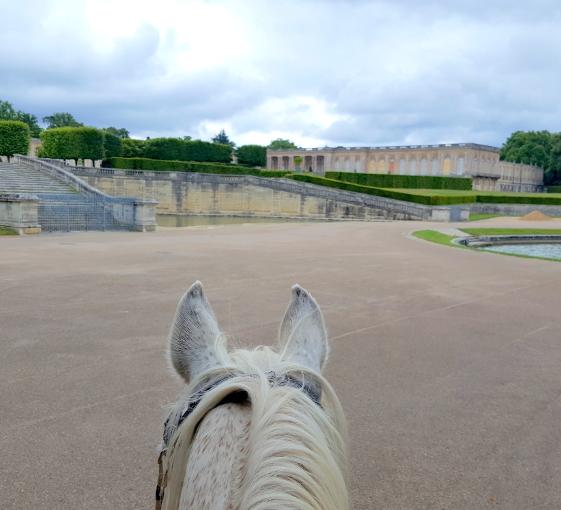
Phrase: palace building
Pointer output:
(480, 162)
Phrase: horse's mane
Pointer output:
(297, 448)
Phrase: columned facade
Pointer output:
(481, 162)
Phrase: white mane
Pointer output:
(296, 449)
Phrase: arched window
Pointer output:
(424, 166)
(413, 166)
(435, 166)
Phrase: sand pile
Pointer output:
(536, 216)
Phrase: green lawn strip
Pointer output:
(5, 231)
(482, 216)
(436, 237)
(510, 231)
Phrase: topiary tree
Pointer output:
(72, 143)
(253, 155)
(14, 138)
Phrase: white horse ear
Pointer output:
(196, 343)
(303, 335)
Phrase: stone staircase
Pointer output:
(19, 178)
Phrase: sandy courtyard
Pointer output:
(447, 362)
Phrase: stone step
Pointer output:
(17, 178)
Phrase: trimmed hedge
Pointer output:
(387, 193)
(177, 149)
(112, 145)
(472, 197)
(158, 165)
(554, 189)
(254, 155)
(521, 199)
(403, 181)
(72, 143)
(14, 138)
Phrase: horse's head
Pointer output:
(281, 386)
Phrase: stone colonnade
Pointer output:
(464, 159)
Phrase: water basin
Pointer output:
(545, 250)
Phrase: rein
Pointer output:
(236, 397)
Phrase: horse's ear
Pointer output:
(302, 335)
(196, 343)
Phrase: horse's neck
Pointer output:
(217, 458)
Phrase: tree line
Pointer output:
(64, 137)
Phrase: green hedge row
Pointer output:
(403, 181)
(542, 199)
(177, 149)
(522, 199)
(72, 143)
(554, 189)
(14, 138)
(387, 193)
(158, 165)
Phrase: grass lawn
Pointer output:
(436, 237)
(509, 231)
(5, 231)
(482, 216)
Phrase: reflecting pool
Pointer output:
(546, 250)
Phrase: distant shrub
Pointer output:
(14, 138)
(254, 155)
(403, 181)
(554, 189)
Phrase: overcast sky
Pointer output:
(320, 72)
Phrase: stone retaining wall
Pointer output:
(246, 195)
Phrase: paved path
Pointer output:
(448, 362)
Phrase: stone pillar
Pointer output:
(145, 215)
(20, 213)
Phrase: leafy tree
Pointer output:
(132, 148)
(118, 132)
(61, 119)
(554, 171)
(8, 112)
(529, 147)
(254, 155)
(539, 148)
(222, 138)
(282, 143)
(14, 138)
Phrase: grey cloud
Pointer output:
(389, 72)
